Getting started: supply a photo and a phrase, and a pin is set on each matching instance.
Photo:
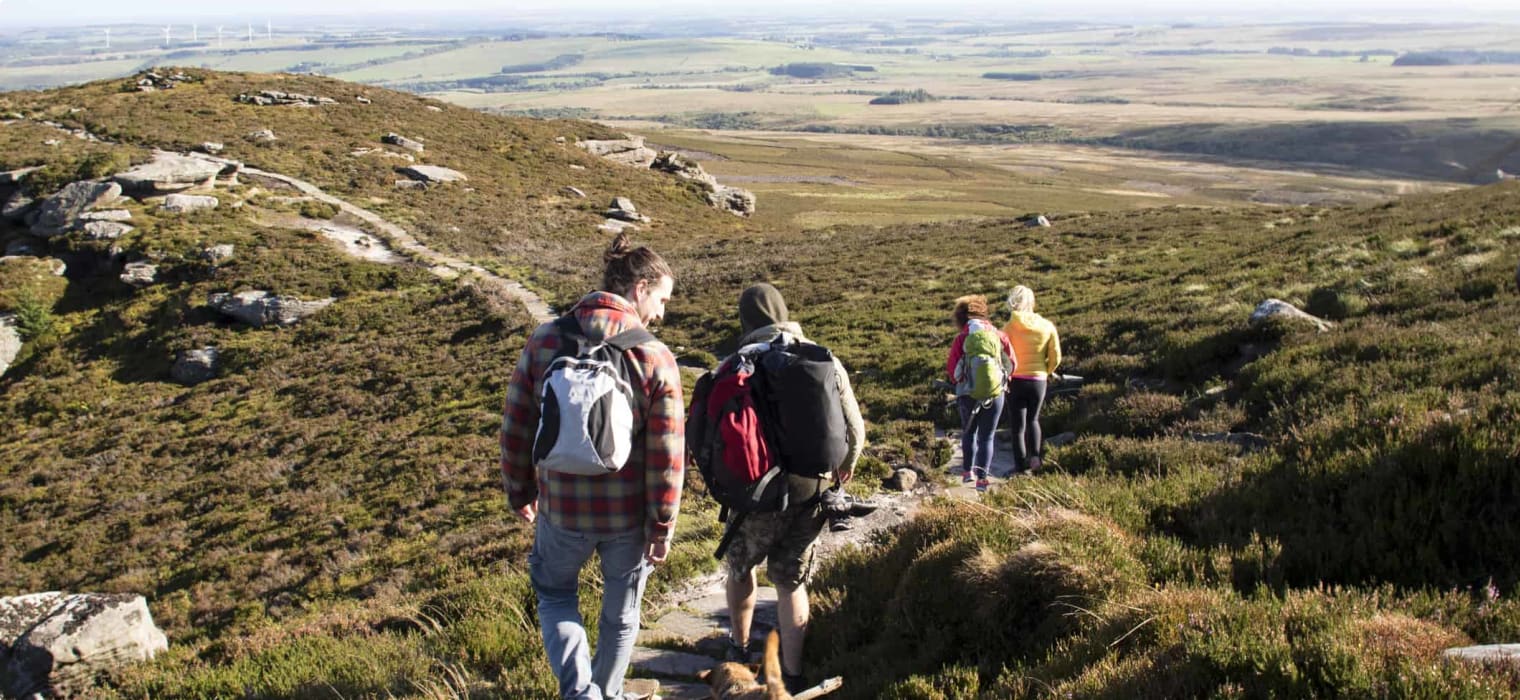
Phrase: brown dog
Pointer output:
(731, 681)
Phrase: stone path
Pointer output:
(688, 629)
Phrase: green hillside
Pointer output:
(324, 519)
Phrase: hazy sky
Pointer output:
(16, 13)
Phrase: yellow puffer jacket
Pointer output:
(1035, 343)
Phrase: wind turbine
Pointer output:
(269, 30)
(250, 32)
(168, 30)
(195, 32)
(108, 38)
(219, 36)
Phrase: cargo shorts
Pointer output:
(785, 541)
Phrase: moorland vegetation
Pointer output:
(324, 518)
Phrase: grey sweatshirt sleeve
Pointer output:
(854, 424)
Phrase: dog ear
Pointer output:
(754, 668)
(703, 674)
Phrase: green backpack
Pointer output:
(982, 364)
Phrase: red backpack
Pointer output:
(726, 437)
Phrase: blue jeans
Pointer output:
(554, 566)
(977, 427)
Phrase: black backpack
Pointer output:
(789, 387)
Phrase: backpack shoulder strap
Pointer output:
(630, 339)
(569, 325)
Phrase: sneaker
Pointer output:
(736, 652)
(982, 484)
(966, 477)
(1034, 464)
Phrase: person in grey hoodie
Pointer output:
(784, 540)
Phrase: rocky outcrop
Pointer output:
(903, 479)
(212, 147)
(183, 203)
(59, 213)
(262, 136)
(736, 201)
(140, 274)
(260, 308)
(121, 215)
(396, 139)
(614, 227)
(192, 367)
(431, 174)
(627, 151)
(150, 81)
(1279, 309)
(682, 167)
(266, 98)
(10, 345)
(56, 644)
(168, 172)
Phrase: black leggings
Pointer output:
(1025, 399)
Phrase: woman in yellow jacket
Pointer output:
(1038, 351)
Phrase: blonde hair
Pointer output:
(1021, 298)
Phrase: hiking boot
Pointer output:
(736, 652)
(982, 484)
(794, 684)
(860, 507)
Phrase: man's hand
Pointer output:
(527, 513)
(656, 550)
(844, 475)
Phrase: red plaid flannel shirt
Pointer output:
(647, 490)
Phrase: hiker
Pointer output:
(601, 474)
(981, 359)
(785, 540)
(1037, 350)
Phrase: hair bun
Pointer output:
(619, 248)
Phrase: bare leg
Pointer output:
(741, 605)
(792, 608)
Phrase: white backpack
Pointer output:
(585, 423)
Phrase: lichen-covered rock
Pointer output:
(104, 230)
(66, 641)
(192, 367)
(168, 172)
(218, 254)
(260, 308)
(682, 167)
(106, 215)
(736, 201)
(262, 136)
(59, 213)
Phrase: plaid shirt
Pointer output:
(647, 490)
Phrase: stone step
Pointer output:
(706, 616)
(651, 689)
(663, 663)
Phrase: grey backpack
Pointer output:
(585, 424)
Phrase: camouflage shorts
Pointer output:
(785, 541)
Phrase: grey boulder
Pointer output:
(106, 215)
(431, 173)
(622, 208)
(1277, 308)
(104, 230)
(734, 200)
(396, 139)
(192, 367)
(168, 172)
(16, 206)
(182, 203)
(58, 644)
(140, 274)
(10, 347)
(627, 151)
(260, 308)
(60, 212)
